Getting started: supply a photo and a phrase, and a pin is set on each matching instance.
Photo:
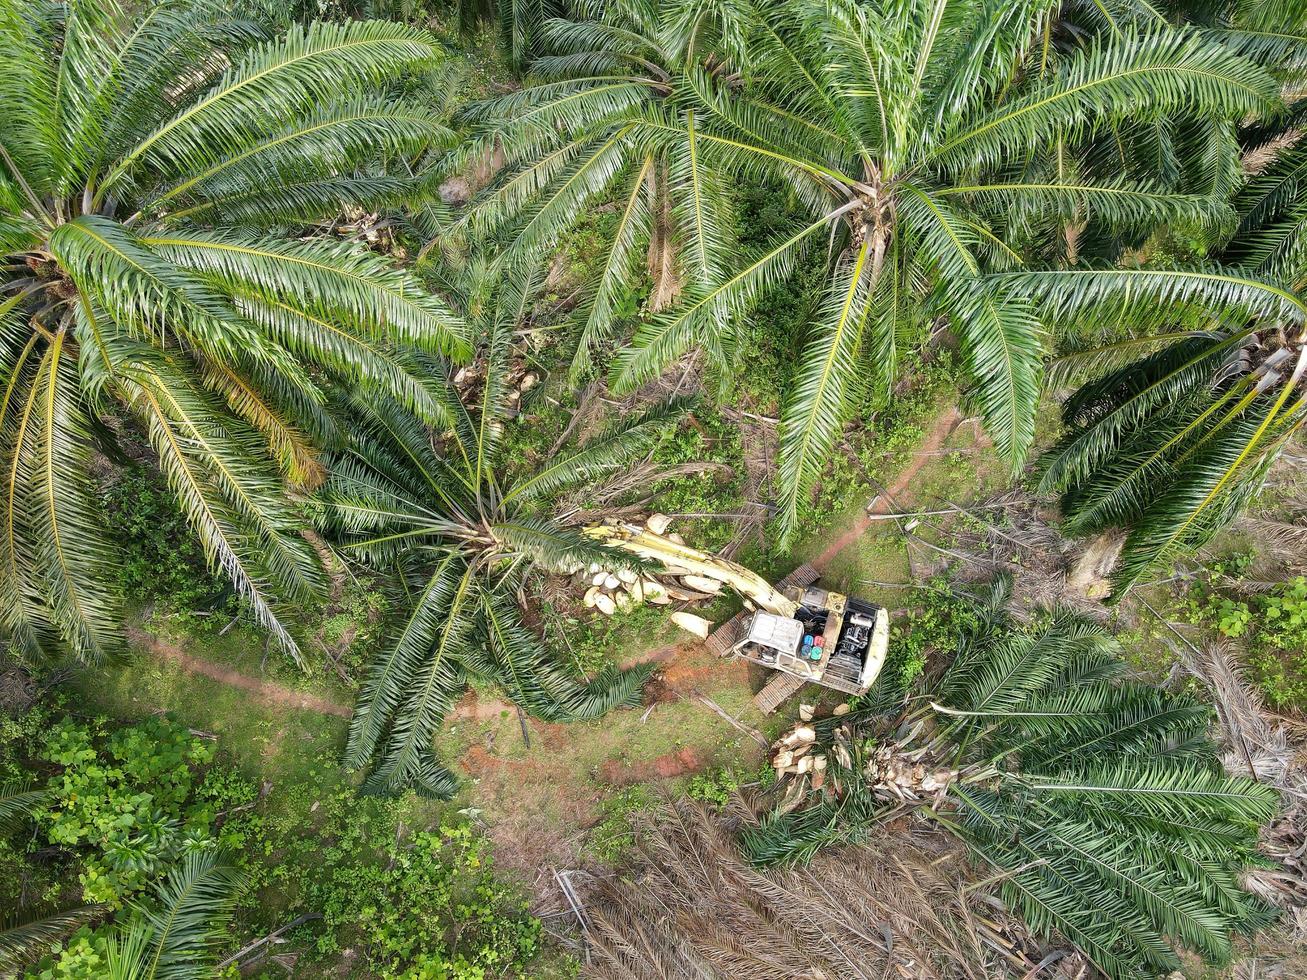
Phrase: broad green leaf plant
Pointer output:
(159, 166)
(922, 143)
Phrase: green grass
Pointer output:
(267, 742)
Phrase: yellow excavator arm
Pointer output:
(681, 559)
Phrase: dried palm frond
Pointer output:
(1010, 534)
(694, 908)
(1286, 538)
(1254, 744)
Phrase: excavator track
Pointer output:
(779, 689)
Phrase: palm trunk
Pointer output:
(662, 246)
(1090, 576)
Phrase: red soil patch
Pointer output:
(685, 674)
(659, 654)
(658, 691)
(480, 709)
(666, 766)
(269, 693)
(686, 666)
(939, 433)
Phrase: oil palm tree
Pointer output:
(921, 141)
(1098, 802)
(567, 138)
(1175, 429)
(158, 164)
(468, 531)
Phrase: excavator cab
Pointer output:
(830, 639)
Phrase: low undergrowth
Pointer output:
(390, 887)
(1270, 623)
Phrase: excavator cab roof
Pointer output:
(780, 633)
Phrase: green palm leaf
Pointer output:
(1152, 74)
(187, 918)
(307, 68)
(1070, 795)
(140, 129)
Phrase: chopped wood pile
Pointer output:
(618, 589)
(892, 774)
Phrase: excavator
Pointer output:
(804, 633)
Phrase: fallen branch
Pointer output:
(297, 921)
(753, 733)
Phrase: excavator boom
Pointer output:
(681, 559)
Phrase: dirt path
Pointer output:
(268, 693)
(887, 502)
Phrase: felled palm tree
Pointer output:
(156, 167)
(1098, 802)
(468, 531)
(1176, 429)
(922, 142)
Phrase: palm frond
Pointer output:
(337, 281)
(602, 454)
(188, 915)
(386, 686)
(18, 802)
(666, 337)
(1003, 348)
(817, 405)
(1148, 75)
(307, 68)
(24, 939)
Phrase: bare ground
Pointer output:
(897, 491)
(268, 693)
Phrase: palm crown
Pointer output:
(1098, 802)
(1175, 429)
(920, 139)
(150, 176)
(468, 532)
